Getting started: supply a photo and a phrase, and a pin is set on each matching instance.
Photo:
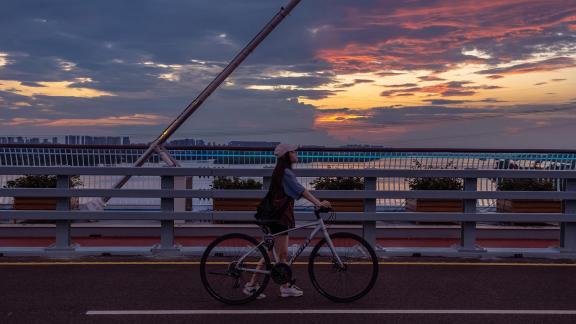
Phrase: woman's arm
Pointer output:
(306, 194)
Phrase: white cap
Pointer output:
(284, 148)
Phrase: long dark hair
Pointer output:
(282, 164)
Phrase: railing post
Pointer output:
(568, 230)
(63, 229)
(179, 203)
(369, 227)
(189, 205)
(468, 229)
(166, 246)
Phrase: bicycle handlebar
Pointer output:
(318, 210)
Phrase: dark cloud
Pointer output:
(457, 93)
(540, 83)
(404, 85)
(558, 80)
(446, 101)
(430, 78)
(495, 77)
(385, 74)
(552, 64)
(305, 82)
(32, 84)
(487, 87)
(333, 111)
(447, 89)
(491, 100)
(355, 82)
(441, 111)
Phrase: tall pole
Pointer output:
(194, 105)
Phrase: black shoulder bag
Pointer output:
(267, 213)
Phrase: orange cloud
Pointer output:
(53, 89)
(429, 35)
(336, 118)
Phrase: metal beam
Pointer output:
(194, 105)
(378, 173)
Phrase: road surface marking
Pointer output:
(478, 264)
(337, 311)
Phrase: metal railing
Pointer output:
(167, 195)
(46, 155)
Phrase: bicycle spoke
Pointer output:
(229, 263)
(225, 274)
(354, 279)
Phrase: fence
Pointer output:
(167, 195)
(249, 157)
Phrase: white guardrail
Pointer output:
(63, 216)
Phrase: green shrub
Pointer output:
(526, 185)
(40, 181)
(338, 183)
(434, 183)
(235, 183)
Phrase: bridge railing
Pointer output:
(167, 215)
(56, 155)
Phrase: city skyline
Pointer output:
(380, 72)
(124, 140)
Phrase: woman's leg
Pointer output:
(259, 266)
(281, 248)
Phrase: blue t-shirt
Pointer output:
(291, 186)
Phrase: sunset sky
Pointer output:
(433, 73)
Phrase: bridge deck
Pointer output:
(101, 290)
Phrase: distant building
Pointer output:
(72, 140)
(252, 144)
(7, 140)
(187, 142)
(362, 146)
(94, 140)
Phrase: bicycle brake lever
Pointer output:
(322, 209)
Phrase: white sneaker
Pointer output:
(291, 291)
(249, 290)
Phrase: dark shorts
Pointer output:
(275, 228)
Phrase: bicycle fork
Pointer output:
(332, 247)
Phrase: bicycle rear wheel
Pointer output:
(350, 282)
(223, 273)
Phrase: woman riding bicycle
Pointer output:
(284, 189)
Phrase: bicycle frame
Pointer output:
(319, 226)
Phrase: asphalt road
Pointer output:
(407, 291)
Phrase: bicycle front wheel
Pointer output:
(229, 263)
(349, 281)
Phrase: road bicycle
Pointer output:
(342, 267)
